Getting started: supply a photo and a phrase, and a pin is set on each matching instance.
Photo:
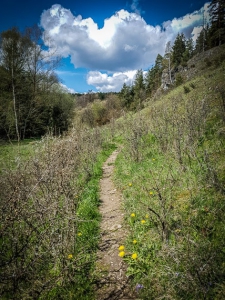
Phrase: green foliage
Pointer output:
(179, 79)
(217, 28)
(179, 49)
(186, 89)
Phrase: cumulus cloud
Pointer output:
(108, 83)
(125, 42)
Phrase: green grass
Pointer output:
(12, 153)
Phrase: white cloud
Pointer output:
(125, 42)
(190, 24)
(110, 82)
(67, 89)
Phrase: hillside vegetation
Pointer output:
(171, 173)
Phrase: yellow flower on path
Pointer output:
(143, 221)
(70, 256)
(121, 248)
(121, 254)
(134, 242)
(134, 256)
(132, 215)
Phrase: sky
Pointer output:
(104, 43)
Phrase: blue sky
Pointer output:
(104, 43)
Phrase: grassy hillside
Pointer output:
(172, 173)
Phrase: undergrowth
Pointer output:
(49, 217)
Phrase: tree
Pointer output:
(202, 42)
(217, 18)
(13, 57)
(189, 51)
(32, 97)
(139, 88)
(40, 66)
(179, 48)
(127, 95)
(154, 75)
(149, 81)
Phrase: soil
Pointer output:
(112, 281)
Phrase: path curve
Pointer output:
(112, 281)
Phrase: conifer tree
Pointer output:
(217, 17)
(179, 48)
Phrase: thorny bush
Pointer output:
(38, 215)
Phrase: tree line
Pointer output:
(32, 101)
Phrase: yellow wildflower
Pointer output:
(151, 193)
(79, 234)
(121, 254)
(132, 215)
(143, 221)
(134, 242)
(134, 256)
(146, 216)
(121, 248)
(130, 184)
(70, 256)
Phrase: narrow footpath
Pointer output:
(112, 280)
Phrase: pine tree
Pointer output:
(139, 88)
(217, 17)
(179, 48)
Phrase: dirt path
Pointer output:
(112, 283)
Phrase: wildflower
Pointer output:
(70, 256)
(134, 256)
(121, 254)
(139, 287)
(146, 216)
(151, 193)
(143, 221)
(130, 184)
(121, 248)
(132, 215)
(153, 159)
(134, 242)
(79, 234)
